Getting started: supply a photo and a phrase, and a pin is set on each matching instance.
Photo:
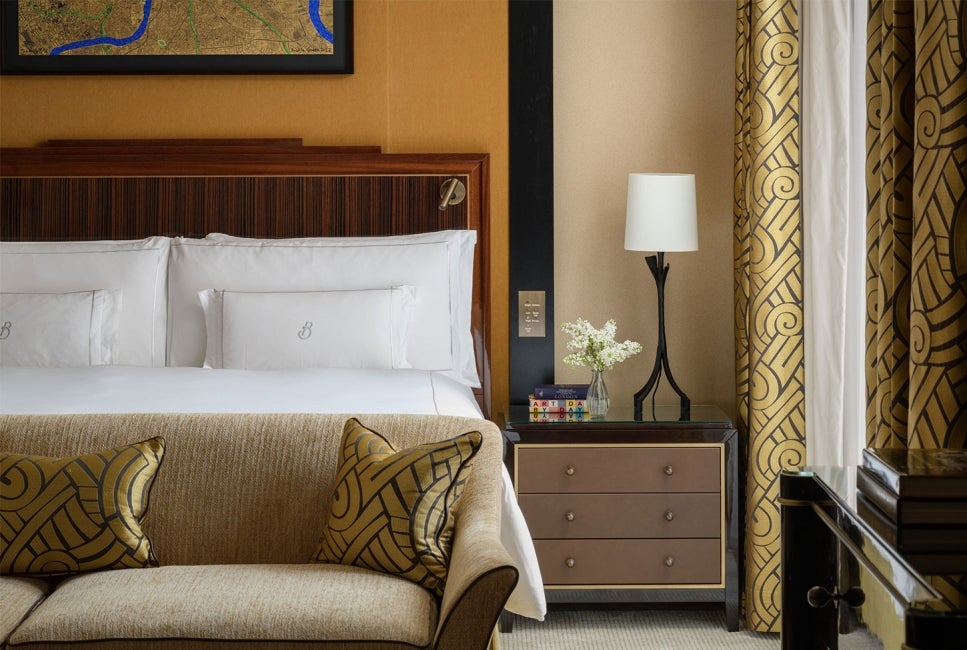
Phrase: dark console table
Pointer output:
(832, 559)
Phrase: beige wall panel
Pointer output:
(645, 86)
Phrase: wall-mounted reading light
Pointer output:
(452, 192)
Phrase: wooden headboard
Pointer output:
(130, 189)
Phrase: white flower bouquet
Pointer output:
(596, 348)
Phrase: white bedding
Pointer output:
(128, 389)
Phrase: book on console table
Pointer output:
(581, 416)
(909, 511)
(562, 404)
(913, 539)
(920, 473)
(557, 406)
(561, 391)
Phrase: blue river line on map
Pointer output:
(314, 16)
(317, 20)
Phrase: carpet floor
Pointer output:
(651, 629)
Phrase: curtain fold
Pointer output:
(832, 33)
(916, 357)
(916, 179)
(768, 283)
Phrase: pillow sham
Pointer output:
(307, 329)
(59, 329)
(137, 268)
(80, 513)
(394, 511)
(438, 265)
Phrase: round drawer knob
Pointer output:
(569, 562)
(669, 561)
(569, 516)
(669, 470)
(669, 515)
(570, 470)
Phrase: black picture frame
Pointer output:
(339, 62)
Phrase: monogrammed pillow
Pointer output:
(439, 265)
(307, 329)
(138, 268)
(59, 330)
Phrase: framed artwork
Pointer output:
(176, 36)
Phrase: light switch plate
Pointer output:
(532, 312)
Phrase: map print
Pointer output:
(180, 27)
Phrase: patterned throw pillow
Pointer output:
(393, 511)
(82, 513)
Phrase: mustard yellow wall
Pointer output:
(430, 75)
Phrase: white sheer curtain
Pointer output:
(834, 221)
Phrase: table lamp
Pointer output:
(661, 218)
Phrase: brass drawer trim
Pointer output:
(722, 494)
(671, 475)
(663, 585)
(646, 561)
(622, 515)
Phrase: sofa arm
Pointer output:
(481, 575)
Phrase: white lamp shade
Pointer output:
(661, 213)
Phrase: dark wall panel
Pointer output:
(531, 187)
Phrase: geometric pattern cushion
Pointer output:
(81, 513)
(393, 511)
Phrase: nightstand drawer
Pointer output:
(630, 561)
(552, 516)
(576, 469)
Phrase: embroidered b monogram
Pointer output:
(306, 330)
(5, 330)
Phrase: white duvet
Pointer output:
(128, 389)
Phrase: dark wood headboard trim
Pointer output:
(86, 190)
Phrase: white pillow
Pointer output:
(438, 265)
(59, 329)
(307, 329)
(137, 268)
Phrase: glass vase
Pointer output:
(598, 401)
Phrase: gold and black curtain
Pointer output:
(916, 176)
(768, 267)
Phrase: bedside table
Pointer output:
(625, 510)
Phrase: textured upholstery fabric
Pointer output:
(253, 489)
(235, 602)
(19, 596)
(78, 513)
(393, 511)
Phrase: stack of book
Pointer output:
(559, 403)
(916, 501)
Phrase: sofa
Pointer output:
(234, 513)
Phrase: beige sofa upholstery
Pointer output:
(235, 512)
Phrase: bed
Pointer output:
(249, 276)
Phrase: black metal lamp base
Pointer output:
(656, 263)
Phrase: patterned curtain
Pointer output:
(768, 283)
(917, 224)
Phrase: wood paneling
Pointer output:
(192, 206)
